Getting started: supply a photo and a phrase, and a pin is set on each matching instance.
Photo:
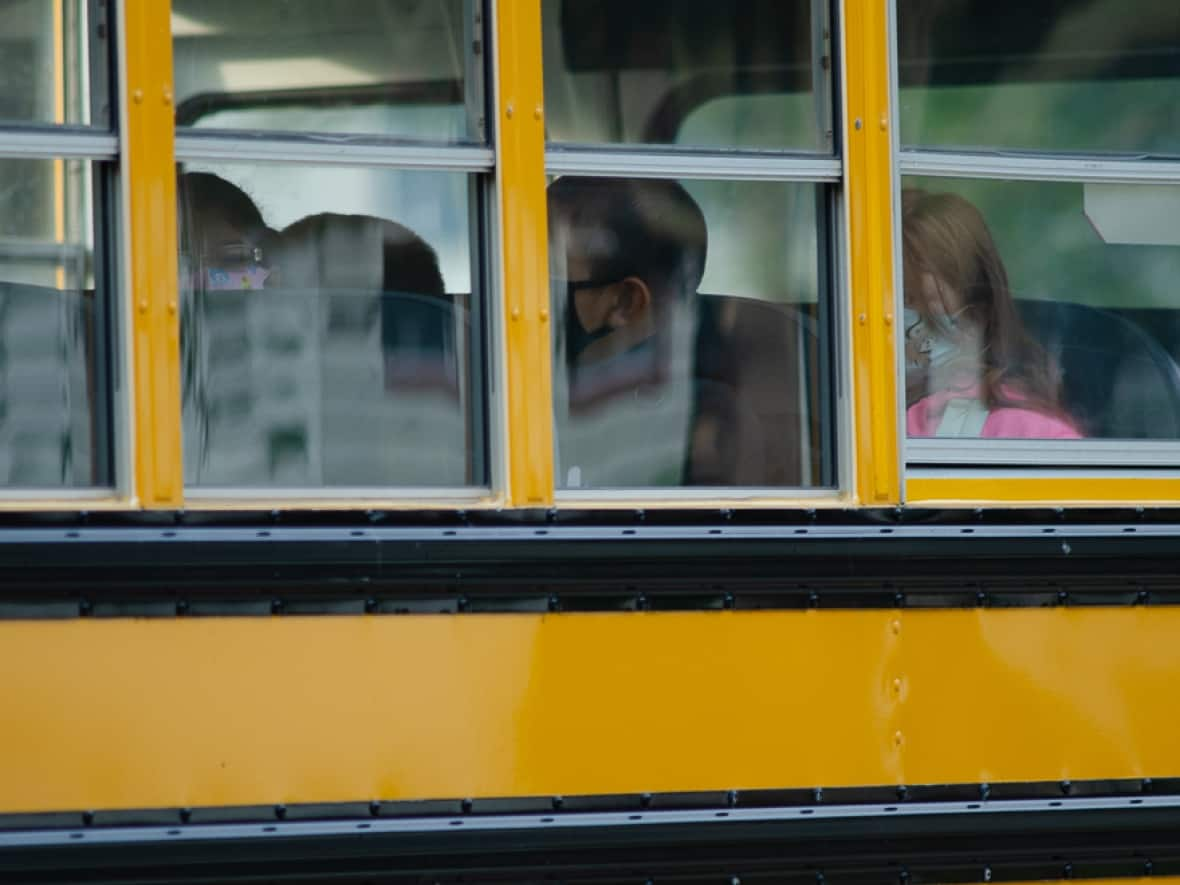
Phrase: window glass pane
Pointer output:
(1057, 75)
(330, 328)
(53, 57)
(621, 72)
(690, 347)
(1039, 310)
(54, 389)
(397, 68)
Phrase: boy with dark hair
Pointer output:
(627, 256)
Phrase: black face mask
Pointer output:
(577, 338)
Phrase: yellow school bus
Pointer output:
(585, 440)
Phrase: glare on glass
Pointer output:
(368, 67)
(327, 328)
(54, 396)
(745, 74)
(54, 59)
(1096, 77)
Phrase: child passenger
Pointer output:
(971, 368)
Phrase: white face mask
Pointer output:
(933, 343)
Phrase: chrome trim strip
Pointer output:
(327, 152)
(559, 820)
(695, 164)
(1010, 166)
(1045, 453)
(53, 145)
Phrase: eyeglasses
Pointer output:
(573, 286)
(235, 253)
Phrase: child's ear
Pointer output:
(632, 302)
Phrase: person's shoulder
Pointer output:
(1014, 422)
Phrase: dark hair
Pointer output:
(200, 194)
(945, 236)
(408, 263)
(649, 228)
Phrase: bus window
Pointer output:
(300, 66)
(332, 306)
(1054, 75)
(694, 342)
(53, 399)
(55, 293)
(660, 381)
(326, 328)
(55, 62)
(1039, 285)
(1023, 318)
(625, 73)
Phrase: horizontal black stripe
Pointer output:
(1121, 828)
(196, 564)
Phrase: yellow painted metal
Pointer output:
(206, 711)
(151, 196)
(1041, 491)
(869, 190)
(524, 233)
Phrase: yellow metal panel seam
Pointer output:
(869, 189)
(524, 232)
(151, 172)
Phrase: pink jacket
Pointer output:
(924, 416)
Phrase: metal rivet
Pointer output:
(889, 319)
(898, 738)
(897, 686)
(862, 318)
(167, 97)
(143, 306)
(137, 96)
(537, 113)
(171, 307)
(857, 124)
(895, 626)
(544, 314)
(884, 123)
(516, 313)
(508, 111)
